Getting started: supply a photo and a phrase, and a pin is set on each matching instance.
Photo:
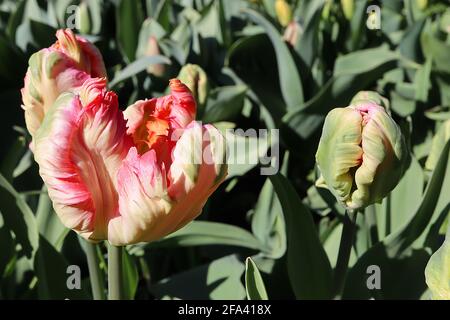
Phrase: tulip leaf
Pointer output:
(400, 205)
(50, 227)
(129, 20)
(290, 81)
(19, 218)
(218, 280)
(308, 266)
(7, 243)
(56, 278)
(202, 233)
(224, 103)
(395, 256)
(353, 72)
(254, 284)
(137, 66)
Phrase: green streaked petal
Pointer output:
(339, 150)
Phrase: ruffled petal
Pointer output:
(384, 151)
(87, 56)
(63, 67)
(150, 208)
(198, 168)
(151, 123)
(339, 151)
(79, 149)
(143, 201)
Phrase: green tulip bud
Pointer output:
(196, 80)
(437, 271)
(84, 22)
(422, 4)
(437, 145)
(348, 6)
(362, 153)
(283, 11)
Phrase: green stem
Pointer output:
(95, 274)
(115, 283)
(345, 248)
(371, 219)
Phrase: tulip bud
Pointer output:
(422, 4)
(84, 20)
(326, 9)
(284, 12)
(196, 80)
(362, 153)
(348, 7)
(439, 141)
(292, 33)
(444, 23)
(153, 50)
(437, 271)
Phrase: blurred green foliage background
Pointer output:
(267, 67)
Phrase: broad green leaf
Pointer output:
(203, 233)
(135, 67)
(254, 285)
(50, 227)
(268, 223)
(218, 280)
(308, 266)
(224, 103)
(150, 28)
(246, 149)
(129, 18)
(398, 261)
(54, 275)
(399, 206)
(19, 218)
(437, 50)
(290, 81)
(422, 81)
(353, 72)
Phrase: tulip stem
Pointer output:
(345, 248)
(95, 274)
(115, 283)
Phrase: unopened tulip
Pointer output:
(362, 153)
(128, 180)
(437, 271)
(437, 145)
(348, 7)
(292, 33)
(283, 11)
(64, 66)
(196, 80)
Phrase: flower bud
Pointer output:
(362, 153)
(348, 7)
(284, 12)
(437, 271)
(422, 4)
(84, 20)
(195, 78)
(292, 33)
(156, 69)
(437, 145)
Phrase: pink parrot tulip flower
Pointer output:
(63, 67)
(128, 177)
